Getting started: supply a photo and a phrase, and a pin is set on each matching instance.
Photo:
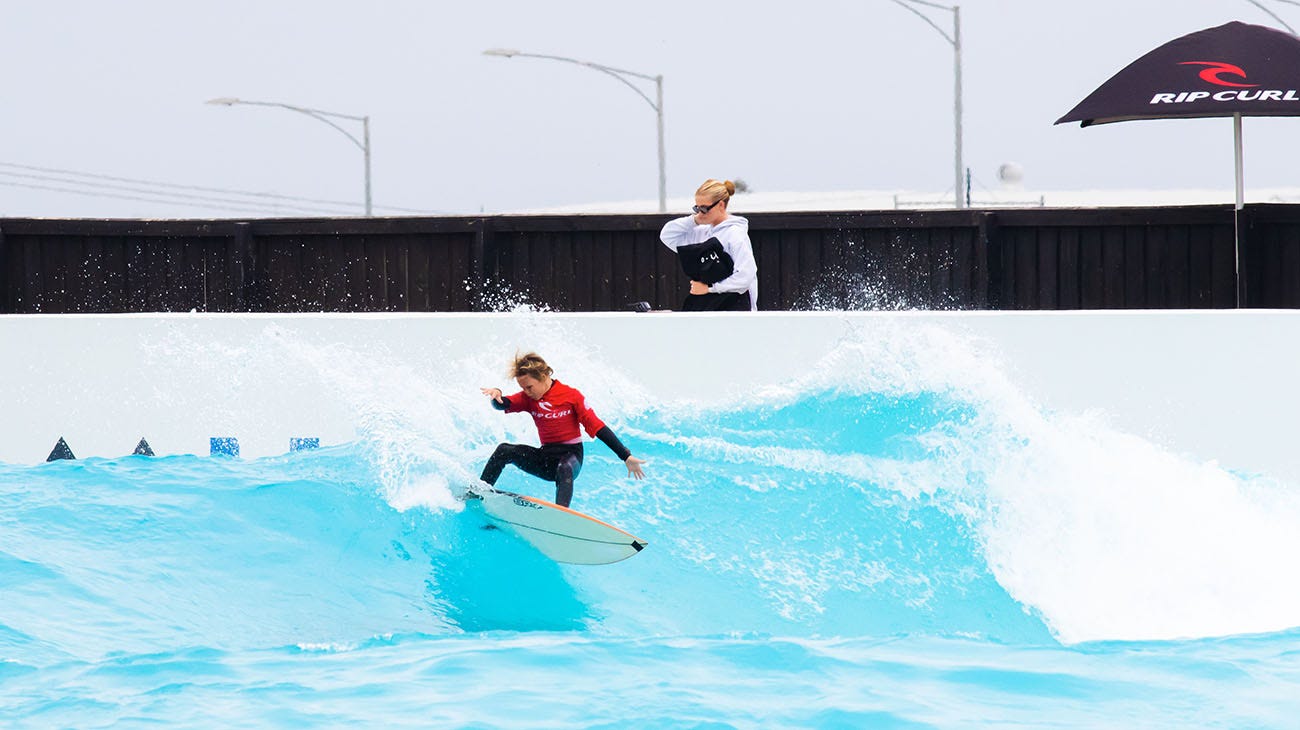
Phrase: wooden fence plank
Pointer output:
(1286, 241)
(1092, 269)
(1223, 267)
(1067, 275)
(1135, 290)
(8, 281)
(1155, 256)
(1113, 262)
(602, 272)
(1201, 267)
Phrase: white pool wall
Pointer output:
(1215, 385)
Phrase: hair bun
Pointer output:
(731, 188)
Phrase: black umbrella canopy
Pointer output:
(1232, 69)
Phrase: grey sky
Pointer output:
(818, 96)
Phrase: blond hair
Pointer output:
(715, 190)
(530, 364)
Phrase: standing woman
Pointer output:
(714, 250)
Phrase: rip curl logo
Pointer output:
(711, 256)
(1213, 69)
(547, 411)
(1220, 73)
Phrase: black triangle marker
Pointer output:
(142, 449)
(61, 451)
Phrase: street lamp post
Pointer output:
(955, 41)
(1276, 17)
(622, 75)
(363, 143)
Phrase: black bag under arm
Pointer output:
(706, 262)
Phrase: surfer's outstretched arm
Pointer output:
(499, 401)
(607, 437)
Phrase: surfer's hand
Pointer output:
(634, 467)
(495, 393)
(699, 287)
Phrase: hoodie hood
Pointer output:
(734, 221)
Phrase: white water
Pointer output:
(1128, 475)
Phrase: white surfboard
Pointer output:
(559, 533)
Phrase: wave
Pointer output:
(903, 486)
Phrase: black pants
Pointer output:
(559, 463)
(711, 302)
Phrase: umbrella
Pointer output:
(1233, 70)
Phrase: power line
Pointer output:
(179, 198)
(116, 195)
(178, 186)
(167, 186)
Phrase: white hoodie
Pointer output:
(733, 234)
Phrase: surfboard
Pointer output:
(561, 534)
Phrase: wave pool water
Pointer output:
(909, 543)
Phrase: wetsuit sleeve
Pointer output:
(513, 403)
(607, 437)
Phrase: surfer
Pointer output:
(557, 410)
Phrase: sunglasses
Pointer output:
(702, 209)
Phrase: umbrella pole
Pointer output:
(1236, 210)
(1236, 138)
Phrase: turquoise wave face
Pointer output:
(930, 556)
(810, 519)
(813, 513)
(828, 515)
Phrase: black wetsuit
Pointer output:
(558, 463)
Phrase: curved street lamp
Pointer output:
(1276, 17)
(622, 75)
(363, 143)
(955, 41)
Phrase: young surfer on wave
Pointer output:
(557, 410)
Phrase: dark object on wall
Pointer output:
(142, 449)
(61, 451)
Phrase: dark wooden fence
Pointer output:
(1005, 259)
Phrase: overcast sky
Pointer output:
(817, 96)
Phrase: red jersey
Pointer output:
(558, 414)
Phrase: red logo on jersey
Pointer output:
(547, 411)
